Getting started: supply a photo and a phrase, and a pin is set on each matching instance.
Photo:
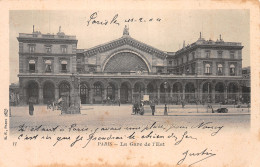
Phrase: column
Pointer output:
(183, 92)
(171, 89)
(40, 95)
(56, 94)
(132, 94)
(225, 93)
(145, 90)
(105, 94)
(158, 94)
(118, 93)
(91, 95)
(213, 94)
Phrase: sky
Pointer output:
(166, 31)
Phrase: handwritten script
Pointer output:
(155, 134)
(94, 19)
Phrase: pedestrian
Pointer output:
(31, 108)
(152, 105)
(119, 102)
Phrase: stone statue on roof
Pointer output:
(126, 30)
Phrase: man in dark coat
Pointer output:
(152, 105)
(31, 108)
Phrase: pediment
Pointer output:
(125, 40)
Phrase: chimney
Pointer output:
(33, 28)
(59, 28)
(200, 35)
(183, 44)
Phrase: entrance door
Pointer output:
(48, 92)
(84, 94)
(64, 90)
(33, 91)
(124, 94)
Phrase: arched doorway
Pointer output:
(64, 92)
(220, 93)
(190, 93)
(177, 93)
(165, 92)
(138, 91)
(33, 91)
(98, 93)
(151, 91)
(125, 93)
(207, 92)
(84, 93)
(48, 92)
(111, 92)
(232, 92)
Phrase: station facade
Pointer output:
(125, 69)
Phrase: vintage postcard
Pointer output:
(161, 83)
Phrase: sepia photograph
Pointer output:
(167, 84)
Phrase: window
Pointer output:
(170, 62)
(232, 69)
(207, 54)
(31, 48)
(92, 69)
(207, 68)
(187, 70)
(159, 70)
(63, 49)
(187, 58)
(48, 66)
(177, 62)
(232, 55)
(220, 69)
(97, 89)
(48, 49)
(193, 55)
(64, 66)
(32, 66)
(220, 54)
(181, 60)
(79, 60)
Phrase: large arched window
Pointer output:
(48, 66)
(220, 68)
(207, 68)
(64, 66)
(232, 69)
(32, 65)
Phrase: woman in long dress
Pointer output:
(31, 108)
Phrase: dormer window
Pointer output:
(32, 66)
(48, 66)
(63, 49)
(64, 66)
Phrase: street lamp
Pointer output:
(165, 107)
